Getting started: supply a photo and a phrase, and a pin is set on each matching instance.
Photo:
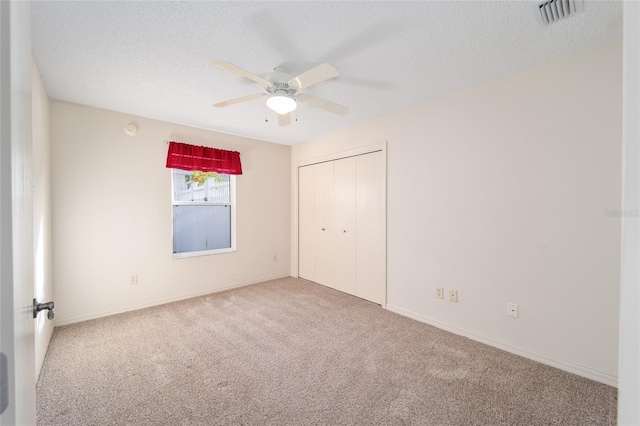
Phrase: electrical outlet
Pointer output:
(512, 310)
(133, 279)
(440, 293)
(453, 296)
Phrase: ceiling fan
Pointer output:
(283, 92)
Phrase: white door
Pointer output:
(344, 225)
(324, 237)
(17, 399)
(307, 223)
(371, 219)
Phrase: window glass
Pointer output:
(203, 213)
(200, 186)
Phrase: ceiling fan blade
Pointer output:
(284, 119)
(238, 100)
(314, 76)
(324, 104)
(236, 69)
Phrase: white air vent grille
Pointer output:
(555, 10)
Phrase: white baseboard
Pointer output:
(579, 370)
(67, 321)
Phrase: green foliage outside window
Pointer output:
(199, 178)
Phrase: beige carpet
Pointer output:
(290, 352)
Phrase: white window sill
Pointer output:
(202, 253)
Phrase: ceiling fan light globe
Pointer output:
(281, 104)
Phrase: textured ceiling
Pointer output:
(154, 59)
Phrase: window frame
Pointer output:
(232, 205)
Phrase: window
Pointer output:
(203, 198)
(203, 213)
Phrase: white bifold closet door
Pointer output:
(371, 243)
(342, 225)
(307, 229)
(343, 248)
(324, 216)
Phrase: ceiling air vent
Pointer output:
(555, 10)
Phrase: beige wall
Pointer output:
(499, 191)
(41, 193)
(112, 214)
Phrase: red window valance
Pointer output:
(202, 158)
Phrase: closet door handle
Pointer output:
(323, 229)
(37, 307)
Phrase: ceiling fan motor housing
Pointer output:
(282, 89)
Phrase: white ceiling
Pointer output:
(154, 59)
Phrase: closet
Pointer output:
(341, 220)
